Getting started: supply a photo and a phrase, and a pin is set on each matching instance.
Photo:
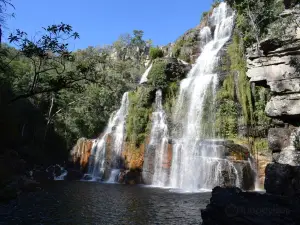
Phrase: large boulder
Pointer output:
(234, 207)
(284, 106)
(282, 179)
(278, 139)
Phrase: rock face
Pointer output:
(232, 206)
(282, 144)
(81, 153)
(186, 47)
(149, 163)
(277, 66)
(233, 163)
(282, 179)
(130, 177)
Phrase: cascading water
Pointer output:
(114, 134)
(145, 75)
(195, 167)
(159, 139)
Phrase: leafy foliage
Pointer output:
(157, 76)
(156, 53)
(139, 115)
(75, 91)
(254, 17)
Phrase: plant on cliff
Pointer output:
(254, 16)
(157, 76)
(238, 64)
(185, 42)
(227, 110)
(49, 56)
(156, 53)
(138, 120)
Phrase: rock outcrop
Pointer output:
(282, 179)
(186, 47)
(276, 66)
(80, 154)
(232, 206)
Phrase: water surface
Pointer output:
(64, 202)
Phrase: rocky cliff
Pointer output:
(275, 66)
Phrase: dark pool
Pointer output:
(93, 203)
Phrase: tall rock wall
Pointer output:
(276, 67)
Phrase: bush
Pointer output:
(139, 114)
(156, 53)
(157, 76)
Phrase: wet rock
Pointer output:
(246, 175)
(81, 153)
(282, 179)
(234, 207)
(130, 177)
(16, 185)
(42, 175)
(74, 175)
(149, 165)
(28, 185)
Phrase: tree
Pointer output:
(138, 38)
(3, 7)
(256, 13)
(49, 56)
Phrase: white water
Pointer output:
(113, 176)
(159, 139)
(115, 131)
(62, 176)
(191, 170)
(144, 78)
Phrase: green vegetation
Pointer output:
(254, 17)
(208, 118)
(75, 92)
(156, 53)
(157, 76)
(238, 105)
(183, 47)
(138, 122)
(170, 97)
(227, 111)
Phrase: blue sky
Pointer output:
(100, 22)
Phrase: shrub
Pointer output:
(139, 114)
(156, 53)
(157, 76)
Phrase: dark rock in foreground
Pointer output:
(282, 179)
(232, 206)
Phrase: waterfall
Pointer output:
(110, 145)
(159, 141)
(195, 167)
(145, 75)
